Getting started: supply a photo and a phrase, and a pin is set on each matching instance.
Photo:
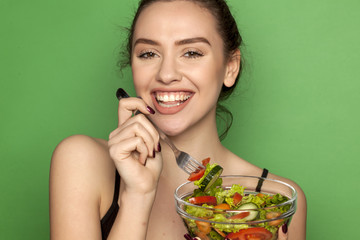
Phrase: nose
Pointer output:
(168, 71)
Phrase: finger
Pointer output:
(135, 129)
(114, 132)
(124, 150)
(128, 106)
(146, 124)
(283, 232)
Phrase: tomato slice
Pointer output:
(200, 200)
(257, 233)
(205, 161)
(237, 198)
(240, 215)
(196, 175)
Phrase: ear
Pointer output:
(232, 68)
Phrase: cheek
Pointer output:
(139, 79)
(214, 77)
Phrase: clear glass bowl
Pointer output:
(219, 221)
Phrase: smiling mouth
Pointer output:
(172, 99)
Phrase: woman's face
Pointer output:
(178, 63)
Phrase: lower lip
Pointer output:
(169, 109)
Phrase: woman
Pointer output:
(183, 55)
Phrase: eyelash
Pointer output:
(188, 54)
(193, 54)
(147, 55)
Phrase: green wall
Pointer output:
(296, 111)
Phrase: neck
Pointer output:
(201, 140)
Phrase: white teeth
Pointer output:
(172, 97)
(169, 105)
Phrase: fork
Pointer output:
(183, 159)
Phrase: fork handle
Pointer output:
(120, 93)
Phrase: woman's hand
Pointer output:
(133, 147)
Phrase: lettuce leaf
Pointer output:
(227, 227)
(222, 195)
(199, 212)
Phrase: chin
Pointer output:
(172, 131)
(172, 128)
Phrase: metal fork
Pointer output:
(183, 159)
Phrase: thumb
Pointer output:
(283, 232)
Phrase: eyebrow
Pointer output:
(146, 41)
(192, 40)
(177, 43)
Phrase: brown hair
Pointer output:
(228, 30)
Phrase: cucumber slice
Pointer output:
(250, 206)
(210, 178)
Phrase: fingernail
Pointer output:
(284, 228)
(152, 111)
(159, 147)
(188, 237)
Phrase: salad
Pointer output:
(231, 212)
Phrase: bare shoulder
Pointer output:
(81, 156)
(80, 168)
(80, 144)
(300, 192)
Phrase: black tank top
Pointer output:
(108, 220)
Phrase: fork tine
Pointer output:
(193, 165)
(187, 171)
(190, 167)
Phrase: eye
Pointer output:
(193, 54)
(147, 55)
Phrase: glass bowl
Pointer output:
(208, 223)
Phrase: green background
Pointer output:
(296, 111)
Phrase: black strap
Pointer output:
(117, 187)
(108, 220)
(261, 180)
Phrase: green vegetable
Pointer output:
(227, 227)
(199, 212)
(222, 195)
(215, 236)
(212, 173)
(253, 214)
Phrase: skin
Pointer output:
(82, 168)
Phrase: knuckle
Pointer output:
(113, 151)
(139, 141)
(122, 101)
(141, 117)
(137, 127)
(111, 135)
